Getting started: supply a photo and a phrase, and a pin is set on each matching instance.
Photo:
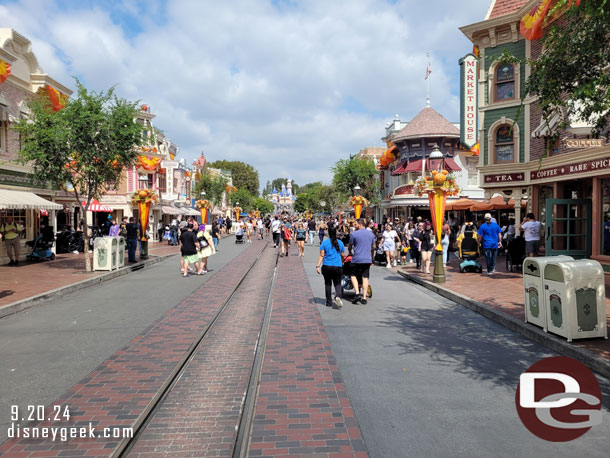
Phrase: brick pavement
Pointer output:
(201, 414)
(302, 407)
(504, 291)
(31, 279)
(119, 390)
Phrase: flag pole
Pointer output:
(428, 79)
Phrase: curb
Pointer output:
(588, 358)
(28, 302)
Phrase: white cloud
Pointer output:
(289, 89)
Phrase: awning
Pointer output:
(413, 166)
(167, 210)
(449, 165)
(545, 129)
(21, 200)
(95, 206)
(401, 169)
(190, 211)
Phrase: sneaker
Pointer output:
(363, 301)
(339, 302)
(357, 298)
(410, 261)
(394, 263)
(11, 262)
(389, 266)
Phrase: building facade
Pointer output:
(567, 183)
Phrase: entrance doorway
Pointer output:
(568, 227)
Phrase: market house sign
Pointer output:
(468, 100)
(504, 178)
(569, 169)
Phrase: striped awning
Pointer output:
(168, 210)
(95, 206)
(190, 211)
(21, 200)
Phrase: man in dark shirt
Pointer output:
(132, 239)
(190, 245)
(362, 244)
(311, 226)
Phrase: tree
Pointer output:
(83, 147)
(351, 172)
(213, 185)
(244, 197)
(263, 205)
(244, 175)
(301, 204)
(574, 71)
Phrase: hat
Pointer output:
(202, 227)
(487, 215)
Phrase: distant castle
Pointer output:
(283, 201)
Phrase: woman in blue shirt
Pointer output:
(332, 252)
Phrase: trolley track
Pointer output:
(243, 425)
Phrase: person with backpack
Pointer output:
(206, 249)
(301, 236)
(286, 232)
(330, 265)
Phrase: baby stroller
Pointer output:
(380, 257)
(42, 246)
(515, 254)
(469, 253)
(239, 236)
(346, 281)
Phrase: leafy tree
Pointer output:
(84, 147)
(263, 205)
(244, 175)
(212, 184)
(244, 197)
(353, 171)
(574, 70)
(301, 203)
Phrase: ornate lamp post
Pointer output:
(203, 206)
(358, 202)
(438, 185)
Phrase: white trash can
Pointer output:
(533, 274)
(105, 251)
(121, 252)
(575, 296)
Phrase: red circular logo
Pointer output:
(559, 399)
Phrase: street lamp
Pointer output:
(356, 189)
(202, 194)
(437, 208)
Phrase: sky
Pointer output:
(289, 86)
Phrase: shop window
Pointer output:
(162, 183)
(504, 144)
(18, 216)
(605, 248)
(505, 83)
(3, 129)
(145, 181)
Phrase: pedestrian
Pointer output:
(132, 235)
(404, 246)
(418, 233)
(173, 233)
(10, 231)
(114, 229)
(276, 229)
(229, 224)
(426, 246)
(215, 236)
(311, 226)
(260, 226)
(532, 231)
(445, 231)
(361, 243)
(189, 248)
(490, 238)
(332, 252)
(267, 225)
(301, 236)
(286, 230)
(249, 227)
(389, 245)
(321, 231)
(206, 249)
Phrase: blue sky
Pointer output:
(289, 86)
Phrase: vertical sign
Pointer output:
(469, 114)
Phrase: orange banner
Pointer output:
(58, 99)
(149, 163)
(437, 209)
(204, 215)
(144, 212)
(357, 211)
(5, 70)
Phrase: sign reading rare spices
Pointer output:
(569, 169)
(468, 100)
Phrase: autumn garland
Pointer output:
(144, 196)
(443, 181)
(203, 203)
(358, 200)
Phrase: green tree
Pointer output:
(574, 71)
(84, 147)
(244, 197)
(244, 175)
(301, 204)
(212, 184)
(351, 172)
(263, 205)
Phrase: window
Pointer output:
(605, 248)
(3, 128)
(505, 82)
(19, 216)
(162, 181)
(145, 181)
(504, 144)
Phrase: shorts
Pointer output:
(389, 246)
(360, 270)
(191, 258)
(532, 246)
(14, 243)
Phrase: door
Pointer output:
(568, 227)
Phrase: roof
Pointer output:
(504, 7)
(274, 191)
(428, 123)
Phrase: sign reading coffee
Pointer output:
(569, 169)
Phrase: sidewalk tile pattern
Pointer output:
(200, 415)
(118, 391)
(302, 408)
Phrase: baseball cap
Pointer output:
(487, 215)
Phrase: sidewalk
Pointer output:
(28, 280)
(503, 292)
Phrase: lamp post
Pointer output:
(437, 199)
(203, 210)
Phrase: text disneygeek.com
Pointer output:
(66, 433)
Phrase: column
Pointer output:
(53, 224)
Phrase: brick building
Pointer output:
(567, 184)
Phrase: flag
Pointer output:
(5, 70)
(428, 71)
(58, 100)
(531, 23)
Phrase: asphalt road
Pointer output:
(430, 378)
(47, 349)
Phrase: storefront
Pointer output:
(569, 193)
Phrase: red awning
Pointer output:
(401, 169)
(449, 165)
(95, 206)
(413, 166)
